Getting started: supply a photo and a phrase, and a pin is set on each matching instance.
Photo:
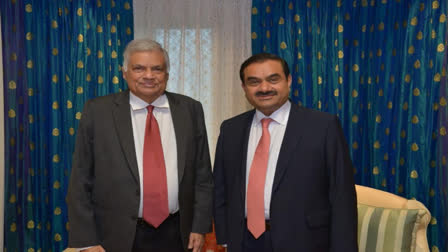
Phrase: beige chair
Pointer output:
(390, 212)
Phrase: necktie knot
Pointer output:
(150, 108)
(265, 122)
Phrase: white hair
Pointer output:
(142, 45)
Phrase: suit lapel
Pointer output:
(247, 122)
(292, 137)
(179, 117)
(123, 124)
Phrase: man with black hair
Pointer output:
(283, 174)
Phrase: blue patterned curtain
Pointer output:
(380, 65)
(56, 55)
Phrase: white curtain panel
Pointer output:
(207, 40)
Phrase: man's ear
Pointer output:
(124, 75)
(289, 80)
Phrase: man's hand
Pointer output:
(97, 248)
(196, 242)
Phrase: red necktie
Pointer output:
(257, 178)
(155, 190)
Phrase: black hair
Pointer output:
(260, 58)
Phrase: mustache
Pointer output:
(149, 81)
(272, 92)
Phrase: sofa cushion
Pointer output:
(387, 229)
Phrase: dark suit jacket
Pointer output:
(104, 192)
(313, 202)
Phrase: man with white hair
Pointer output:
(141, 176)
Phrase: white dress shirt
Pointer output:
(162, 114)
(277, 131)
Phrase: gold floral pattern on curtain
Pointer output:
(56, 54)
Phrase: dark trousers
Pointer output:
(165, 238)
(262, 244)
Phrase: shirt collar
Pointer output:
(280, 115)
(137, 103)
